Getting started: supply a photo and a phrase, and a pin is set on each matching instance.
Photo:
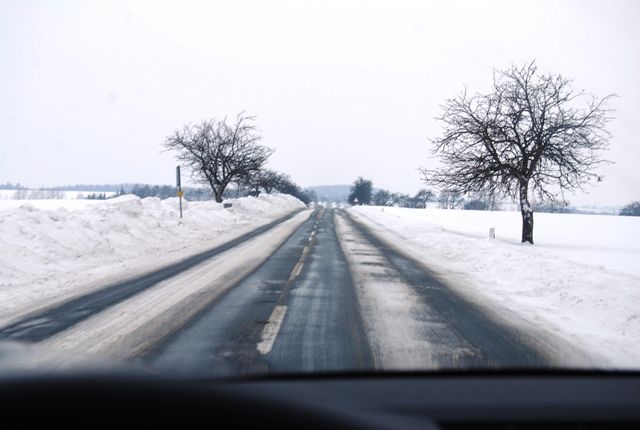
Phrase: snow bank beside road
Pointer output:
(604, 240)
(554, 285)
(48, 254)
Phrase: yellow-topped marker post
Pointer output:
(180, 192)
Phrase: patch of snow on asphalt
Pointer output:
(580, 281)
(391, 310)
(47, 254)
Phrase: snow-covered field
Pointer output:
(581, 281)
(8, 197)
(52, 249)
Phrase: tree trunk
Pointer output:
(527, 214)
(218, 190)
(217, 194)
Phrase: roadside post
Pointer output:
(180, 193)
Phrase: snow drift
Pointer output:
(49, 253)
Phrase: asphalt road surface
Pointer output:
(335, 298)
(327, 295)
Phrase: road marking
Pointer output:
(270, 331)
(296, 271)
(298, 267)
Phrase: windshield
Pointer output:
(241, 188)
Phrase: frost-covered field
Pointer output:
(50, 249)
(581, 281)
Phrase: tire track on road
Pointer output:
(415, 321)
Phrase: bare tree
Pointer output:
(284, 184)
(400, 200)
(450, 200)
(527, 137)
(381, 198)
(361, 192)
(266, 180)
(632, 209)
(218, 153)
(424, 196)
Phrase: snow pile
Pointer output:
(581, 280)
(47, 254)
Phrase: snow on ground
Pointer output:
(581, 281)
(609, 241)
(63, 248)
(8, 197)
(49, 204)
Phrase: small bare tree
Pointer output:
(450, 199)
(266, 180)
(528, 136)
(424, 196)
(218, 153)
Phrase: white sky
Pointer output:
(90, 90)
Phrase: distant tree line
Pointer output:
(632, 209)
(96, 196)
(39, 194)
(167, 191)
(96, 188)
(10, 186)
(269, 181)
(161, 191)
(388, 198)
(279, 182)
(363, 193)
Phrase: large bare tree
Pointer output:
(531, 135)
(218, 153)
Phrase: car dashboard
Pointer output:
(385, 401)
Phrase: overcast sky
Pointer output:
(90, 90)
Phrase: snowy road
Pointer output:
(314, 291)
(335, 298)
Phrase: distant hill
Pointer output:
(331, 193)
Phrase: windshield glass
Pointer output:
(231, 188)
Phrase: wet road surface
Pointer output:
(333, 297)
